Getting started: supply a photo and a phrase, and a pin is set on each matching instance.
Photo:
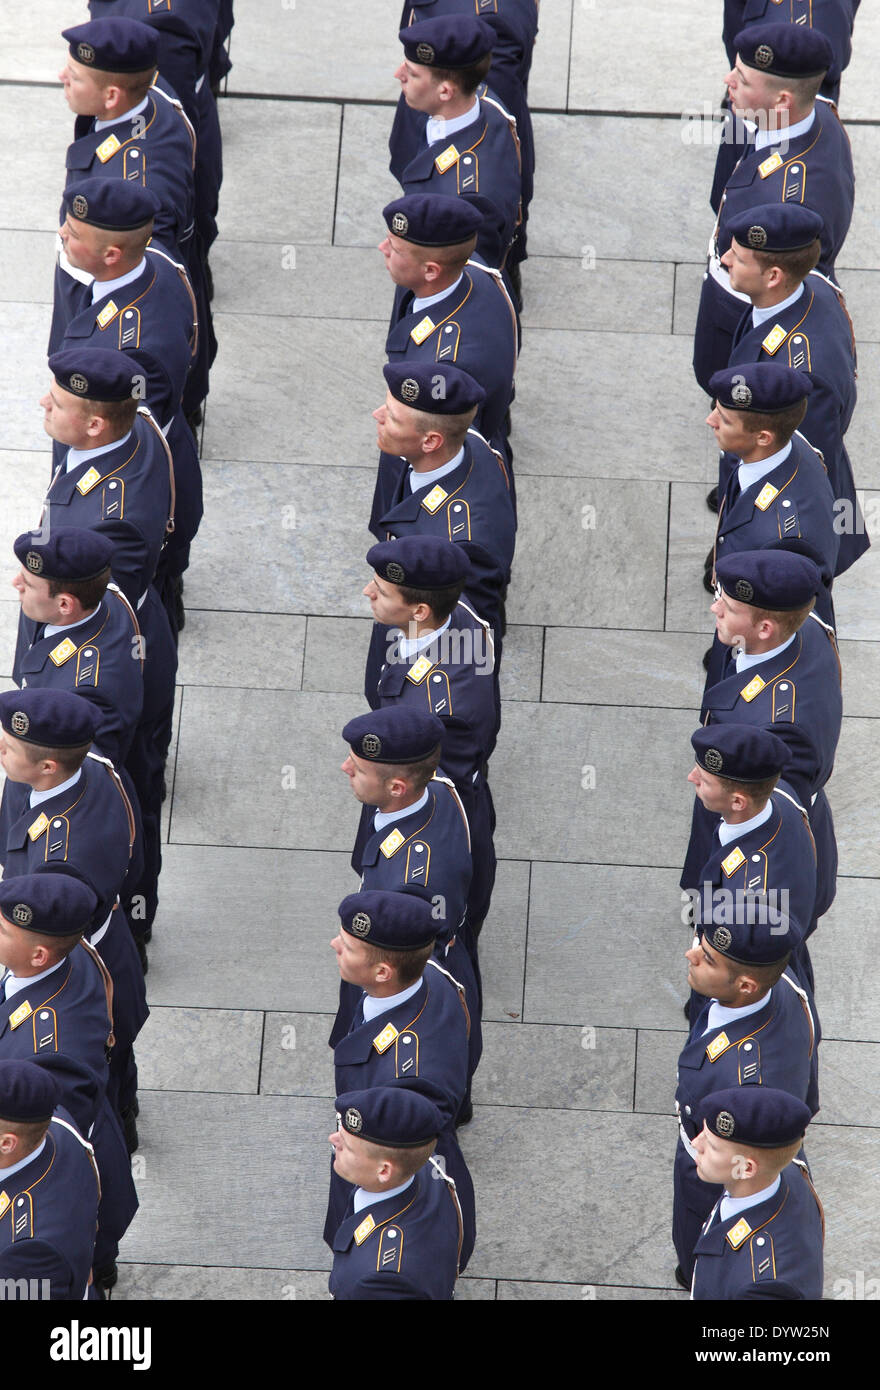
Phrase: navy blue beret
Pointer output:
(52, 904)
(394, 921)
(115, 205)
(98, 374)
(798, 546)
(434, 387)
(431, 219)
(115, 44)
(394, 734)
(784, 50)
(761, 387)
(747, 928)
(760, 1116)
(53, 718)
(776, 227)
(742, 752)
(28, 1092)
(420, 562)
(773, 579)
(393, 1116)
(450, 41)
(71, 552)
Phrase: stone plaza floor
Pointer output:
(573, 1135)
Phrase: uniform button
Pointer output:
(720, 540)
(112, 485)
(88, 653)
(134, 153)
(784, 685)
(760, 1240)
(799, 339)
(44, 1014)
(687, 1109)
(467, 159)
(392, 1234)
(795, 168)
(747, 1047)
(449, 329)
(457, 507)
(756, 858)
(437, 678)
(406, 1038)
(420, 849)
(56, 825)
(129, 314)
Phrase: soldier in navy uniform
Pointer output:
(413, 832)
(515, 23)
(77, 632)
(800, 154)
(447, 138)
(121, 485)
(401, 1235)
(456, 487)
(439, 658)
(50, 1182)
(833, 18)
(776, 486)
(410, 1028)
(765, 1236)
(137, 300)
(57, 1009)
(798, 318)
(758, 1027)
(762, 842)
(447, 308)
(66, 807)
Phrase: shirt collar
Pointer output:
(126, 116)
(440, 129)
(733, 1206)
(419, 480)
(374, 1007)
(745, 662)
(6, 1173)
(760, 316)
(409, 646)
(369, 1199)
(14, 985)
(765, 138)
(720, 1015)
(52, 629)
(102, 288)
(418, 305)
(726, 832)
(383, 818)
(749, 473)
(77, 456)
(37, 798)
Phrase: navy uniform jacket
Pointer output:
(153, 319)
(816, 170)
(48, 1223)
(88, 831)
(815, 334)
(470, 506)
(63, 1023)
(483, 158)
(185, 34)
(772, 1250)
(833, 18)
(776, 1046)
(795, 499)
(420, 1043)
(403, 1247)
(155, 149)
(474, 327)
(126, 494)
(100, 659)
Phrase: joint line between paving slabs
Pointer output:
(522, 1007)
(338, 168)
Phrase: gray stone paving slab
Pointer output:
(569, 418)
(548, 81)
(307, 281)
(849, 1083)
(26, 326)
(611, 73)
(365, 184)
(691, 532)
(850, 792)
(657, 1062)
(171, 766)
(688, 284)
(200, 1050)
(34, 52)
(593, 759)
(326, 638)
(557, 1068)
(855, 608)
(296, 1058)
(211, 654)
(858, 91)
(247, 929)
(27, 261)
(844, 951)
(569, 1240)
(214, 1282)
(843, 1163)
(297, 54)
(249, 413)
(608, 547)
(290, 519)
(25, 479)
(606, 946)
(660, 201)
(503, 943)
(46, 118)
(861, 672)
(860, 440)
(860, 248)
(530, 1291)
(613, 296)
(197, 1188)
(593, 666)
(254, 135)
(9, 612)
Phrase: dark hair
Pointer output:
(781, 424)
(795, 265)
(89, 592)
(467, 80)
(440, 601)
(408, 964)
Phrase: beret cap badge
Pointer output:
(22, 915)
(80, 206)
(763, 55)
(425, 53)
(78, 383)
(85, 53)
(34, 562)
(20, 722)
(409, 389)
(744, 590)
(400, 223)
(721, 938)
(360, 924)
(353, 1121)
(395, 572)
(724, 1123)
(371, 745)
(713, 760)
(757, 237)
(741, 394)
